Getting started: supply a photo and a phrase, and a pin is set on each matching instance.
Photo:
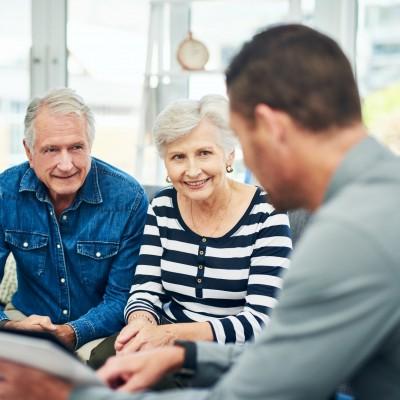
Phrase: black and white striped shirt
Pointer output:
(231, 281)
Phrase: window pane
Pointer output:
(378, 67)
(107, 50)
(15, 43)
(224, 26)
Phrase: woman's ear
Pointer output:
(231, 158)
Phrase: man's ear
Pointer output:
(28, 152)
(272, 121)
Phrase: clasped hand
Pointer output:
(142, 335)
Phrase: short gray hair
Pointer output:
(181, 117)
(59, 101)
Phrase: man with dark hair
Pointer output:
(296, 112)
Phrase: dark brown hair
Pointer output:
(298, 70)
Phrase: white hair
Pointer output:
(59, 101)
(181, 117)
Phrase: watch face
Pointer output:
(192, 54)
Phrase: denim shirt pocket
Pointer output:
(97, 260)
(29, 250)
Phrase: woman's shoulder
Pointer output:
(165, 197)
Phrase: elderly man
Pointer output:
(296, 110)
(73, 224)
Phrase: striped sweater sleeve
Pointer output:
(147, 292)
(269, 258)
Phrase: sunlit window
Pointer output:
(15, 42)
(378, 67)
(106, 63)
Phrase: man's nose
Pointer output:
(65, 161)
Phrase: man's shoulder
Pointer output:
(110, 174)
(11, 177)
(117, 186)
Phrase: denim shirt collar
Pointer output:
(89, 192)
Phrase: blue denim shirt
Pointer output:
(76, 268)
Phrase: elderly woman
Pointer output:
(213, 248)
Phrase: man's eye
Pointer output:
(178, 157)
(49, 150)
(205, 153)
(77, 147)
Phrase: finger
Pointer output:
(114, 374)
(134, 384)
(127, 334)
(132, 347)
(46, 323)
(109, 370)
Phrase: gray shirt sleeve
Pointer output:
(338, 304)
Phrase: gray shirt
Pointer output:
(338, 318)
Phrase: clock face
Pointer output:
(192, 54)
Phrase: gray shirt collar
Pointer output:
(358, 160)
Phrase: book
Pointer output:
(44, 351)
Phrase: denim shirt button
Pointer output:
(25, 244)
(64, 217)
(62, 280)
(65, 312)
(98, 254)
(58, 246)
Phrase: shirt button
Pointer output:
(199, 280)
(51, 212)
(200, 266)
(25, 244)
(204, 240)
(98, 254)
(65, 312)
(201, 252)
(64, 217)
(62, 280)
(58, 246)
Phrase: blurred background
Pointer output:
(120, 55)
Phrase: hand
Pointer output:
(148, 337)
(21, 382)
(33, 323)
(129, 332)
(139, 371)
(66, 334)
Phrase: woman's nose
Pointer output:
(193, 169)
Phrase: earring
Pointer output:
(168, 179)
(229, 169)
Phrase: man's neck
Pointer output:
(326, 151)
(61, 203)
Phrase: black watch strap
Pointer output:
(189, 366)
